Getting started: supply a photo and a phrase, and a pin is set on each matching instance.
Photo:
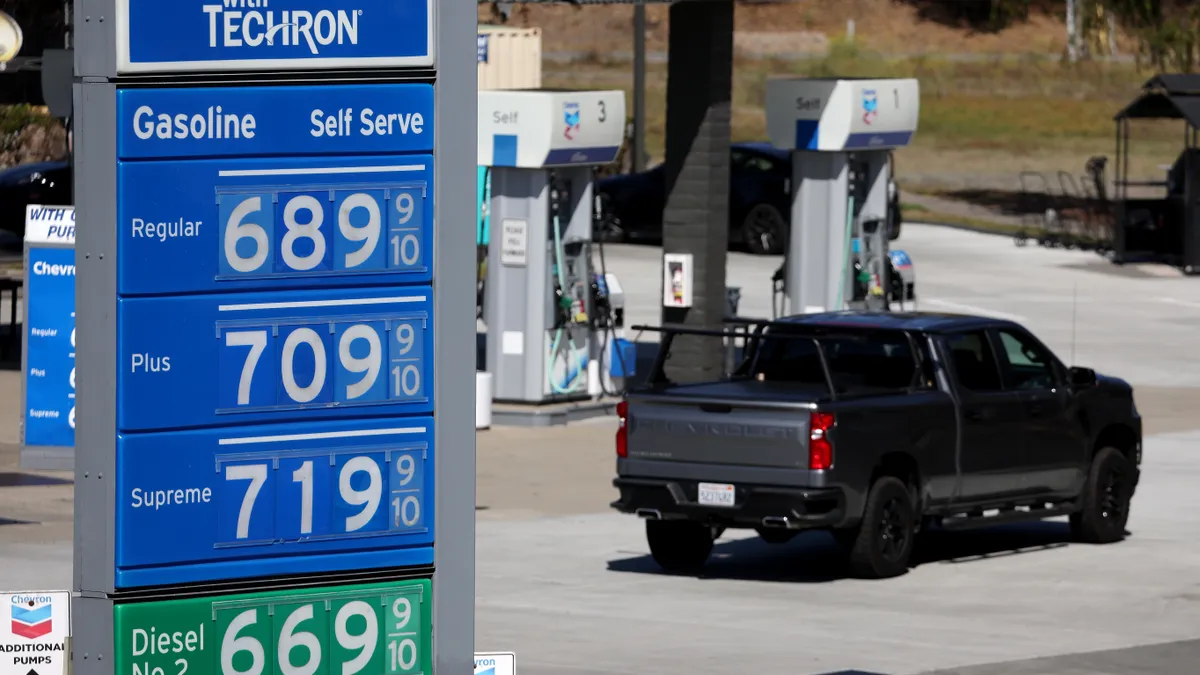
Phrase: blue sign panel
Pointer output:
(184, 35)
(50, 348)
(299, 120)
(200, 361)
(274, 327)
(274, 499)
(241, 224)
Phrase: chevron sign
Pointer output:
(32, 620)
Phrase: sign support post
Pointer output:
(275, 292)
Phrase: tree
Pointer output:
(1167, 31)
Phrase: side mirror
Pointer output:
(1081, 378)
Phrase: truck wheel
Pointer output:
(679, 545)
(1106, 500)
(889, 528)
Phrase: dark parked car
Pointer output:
(41, 183)
(760, 188)
(875, 426)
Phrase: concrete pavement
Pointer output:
(569, 586)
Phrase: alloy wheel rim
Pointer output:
(893, 530)
(1112, 501)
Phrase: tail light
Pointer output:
(622, 432)
(820, 449)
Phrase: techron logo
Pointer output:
(253, 23)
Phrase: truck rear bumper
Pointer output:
(754, 505)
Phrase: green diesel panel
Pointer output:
(369, 629)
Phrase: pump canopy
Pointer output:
(838, 115)
(533, 129)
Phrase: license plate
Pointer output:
(716, 494)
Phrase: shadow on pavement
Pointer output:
(15, 479)
(851, 672)
(813, 557)
(11, 521)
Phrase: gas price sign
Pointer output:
(377, 629)
(223, 499)
(274, 331)
(270, 356)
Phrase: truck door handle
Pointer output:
(1036, 410)
(975, 414)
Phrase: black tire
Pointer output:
(679, 545)
(764, 230)
(1106, 499)
(887, 533)
(776, 535)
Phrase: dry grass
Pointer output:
(981, 122)
(885, 25)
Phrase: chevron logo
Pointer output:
(489, 671)
(32, 623)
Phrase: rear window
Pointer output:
(859, 364)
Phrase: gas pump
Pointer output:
(541, 147)
(841, 133)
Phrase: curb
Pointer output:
(964, 227)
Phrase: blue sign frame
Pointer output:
(193, 35)
(223, 225)
(274, 331)
(273, 500)
(215, 360)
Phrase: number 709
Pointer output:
(405, 358)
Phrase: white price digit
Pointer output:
(294, 339)
(289, 640)
(407, 379)
(304, 476)
(231, 644)
(407, 510)
(365, 641)
(236, 230)
(368, 498)
(403, 654)
(72, 378)
(369, 364)
(406, 335)
(72, 338)
(406, 466)
(405, 249)
(71, 417)
(296, 231)
(256, 340)
(257, 475)
(404, 207)
(368, 234)
(402, 612)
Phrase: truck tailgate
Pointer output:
(719, 429)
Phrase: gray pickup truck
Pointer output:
(875, 426)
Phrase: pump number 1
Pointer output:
(352, 230)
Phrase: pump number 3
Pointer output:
(321, 231)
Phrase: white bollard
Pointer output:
(595, 387)
(483, 400)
